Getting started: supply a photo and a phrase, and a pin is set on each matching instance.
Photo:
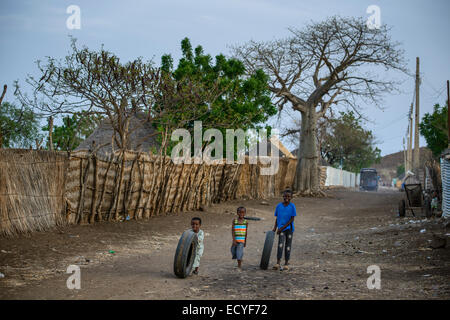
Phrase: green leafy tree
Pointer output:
(243, 101)
(400, 170)
(97, 82)
(434, 129)
(344, 142)
(19, 127)
(73, 131)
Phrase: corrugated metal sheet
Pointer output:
(445, 175)
(428, 182)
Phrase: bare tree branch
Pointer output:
(3, 93)
(324, 64)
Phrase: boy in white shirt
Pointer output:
(196, 223)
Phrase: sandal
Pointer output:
(276, 267)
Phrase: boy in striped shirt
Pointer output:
(239, 231)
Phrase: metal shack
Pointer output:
(445, 175)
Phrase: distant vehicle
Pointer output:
(368, 179)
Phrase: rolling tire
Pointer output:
(268, 244)
(185, 254)
(401, 208)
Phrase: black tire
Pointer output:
(401, 208)
(267, 250)
(185, 254)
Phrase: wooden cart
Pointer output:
(415, 201)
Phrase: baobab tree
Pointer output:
(321, 65)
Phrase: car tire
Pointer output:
(267, 250)
(185, 254)
(427, 205)
(401, 208)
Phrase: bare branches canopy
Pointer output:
(322, 64)
(96, 82)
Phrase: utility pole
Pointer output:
(404, 155)
(409, 152)
(416, 158)
(448, 115)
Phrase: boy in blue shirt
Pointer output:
(284, 213)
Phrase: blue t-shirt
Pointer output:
(284, 214)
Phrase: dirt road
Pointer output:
(335, 240)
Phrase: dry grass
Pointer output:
(31, 190)
(253, 185)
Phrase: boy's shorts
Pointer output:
(237, 251)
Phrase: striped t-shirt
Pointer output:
(240, 230)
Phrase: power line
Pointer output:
(392, 122)
(438, 92)
(392, 138)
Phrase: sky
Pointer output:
(32, 30)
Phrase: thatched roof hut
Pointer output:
(143, 136)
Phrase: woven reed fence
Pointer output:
(139, 185)
(31, 190)
(253, 185)
(42, 189)
(323, 176)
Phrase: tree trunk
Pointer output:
(1, 100)
(50, 133)
(307, 175)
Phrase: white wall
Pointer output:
(338, 177)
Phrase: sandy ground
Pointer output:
(335, 240)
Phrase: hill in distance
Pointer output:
(387, 168)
